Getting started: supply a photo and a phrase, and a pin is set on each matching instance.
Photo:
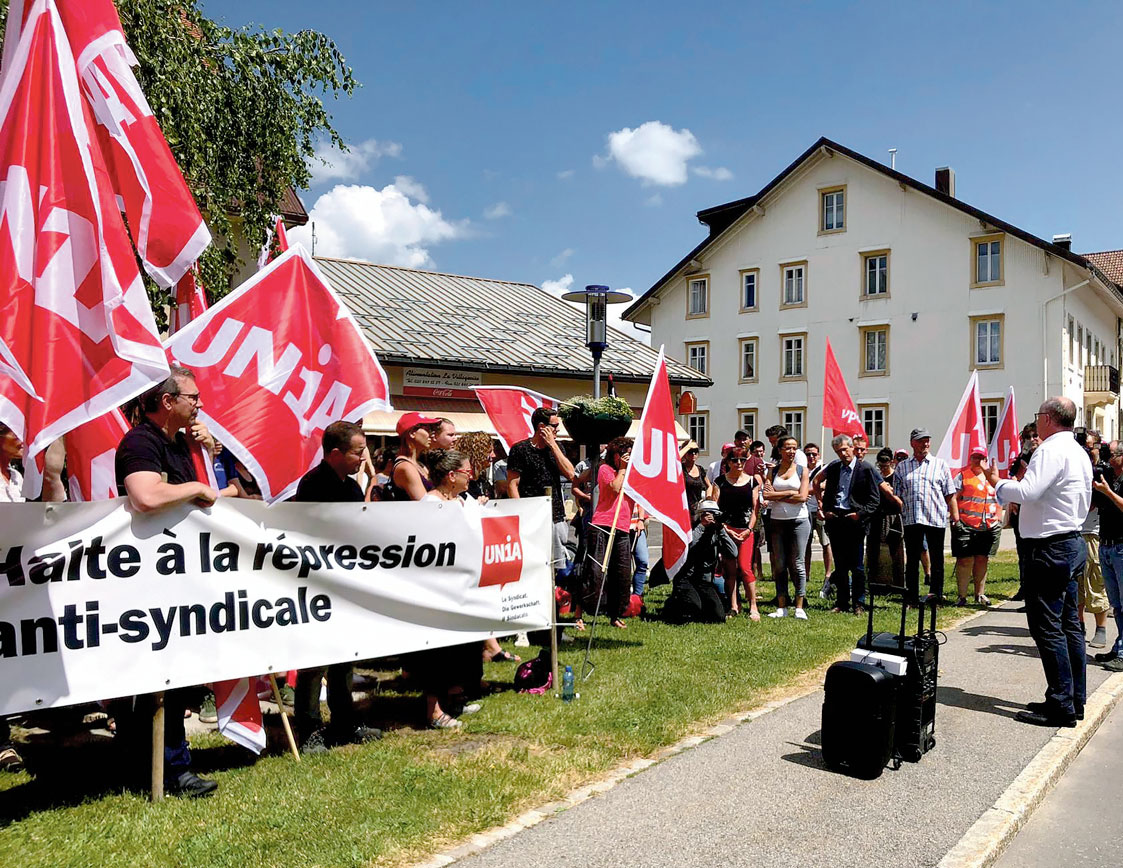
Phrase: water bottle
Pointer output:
(567, 684)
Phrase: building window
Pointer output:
(1071, 340)
(696, 425)
(748, 360)
(875, 351)
(698, 297)
(1080, 346)
(791, 358)
(991, 411)
(698, 357)
(748, 423)
(793, 421)
(793, 282)
(832, 215)
(875, 274)
(988, 260)
(986, 341)
(875, 419)
(750, 281)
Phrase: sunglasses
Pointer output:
(737, 460)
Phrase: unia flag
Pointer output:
(1006, 444)
(166, 225)
(77, 335)
(509, 409)
(965, 431)
(654, 475)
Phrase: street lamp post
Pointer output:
(596, 299)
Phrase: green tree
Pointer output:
(242, 109)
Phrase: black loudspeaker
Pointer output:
(859, 719)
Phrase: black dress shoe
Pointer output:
(1046, 709)
(1040, 718)
(191, 786)
(354, 735)
(1105, 657)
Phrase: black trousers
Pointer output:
(133, 715)
(307, 700)
(616, 583)
(915, 534)
(848, 539)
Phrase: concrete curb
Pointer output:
(992, 833)
(483, 840)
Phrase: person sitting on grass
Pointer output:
(695, 597)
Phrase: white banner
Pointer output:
(98, 602)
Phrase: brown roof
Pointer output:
(292, 209)
(1110, 262)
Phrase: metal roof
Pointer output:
(414, 317)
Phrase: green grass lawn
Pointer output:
(416, 791)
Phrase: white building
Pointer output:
(914, 289)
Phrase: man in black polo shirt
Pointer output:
(538, 463)
(1108, 496)
(330, 482)
(155, 472)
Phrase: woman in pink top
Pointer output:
(616, 582)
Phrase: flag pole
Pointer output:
(586, 670)
(284, 716)
(553, 613)
(158, 747)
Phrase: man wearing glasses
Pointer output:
(330, 482)
(155, 471)
(538, 463)
(1055, 493)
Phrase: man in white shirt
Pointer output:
(1054, 493)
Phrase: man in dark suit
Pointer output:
(850, 498)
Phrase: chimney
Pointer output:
(945, 181)
(1063, 241)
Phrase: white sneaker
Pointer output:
(522, 640)
(801, 614)
(779, 613)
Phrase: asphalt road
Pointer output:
(1079, 823)
(760, 794)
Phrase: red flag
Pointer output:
(266, 254)
(277, 361)
(966, 431)
(1007, 443)
(839, 412)
(77, 336)
(239, 713)
(167, 228)
(654, 476)
(509, 409)
(190, 302)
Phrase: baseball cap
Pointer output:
(979, 450)
(901, 453)
(409, 421)
(920, 434)
(727, 446)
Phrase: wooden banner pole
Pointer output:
(158, 747)
(554, 608)
(284, 716)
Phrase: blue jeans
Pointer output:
(639, 555)
(787, 540)
(1054, 563)
(1111, 565)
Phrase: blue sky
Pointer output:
(536, 141)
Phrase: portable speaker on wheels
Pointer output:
(916, 689)
(859, 718)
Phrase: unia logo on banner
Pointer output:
(503, 551)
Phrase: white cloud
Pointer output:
(719, 174)
(654, 152)
(412, 188)
(383, 226)
(329, 164)
(560, 259)
(499, 209)
(566, 174)
(565, 283)
(653, 201)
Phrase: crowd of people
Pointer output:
(880, 523)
